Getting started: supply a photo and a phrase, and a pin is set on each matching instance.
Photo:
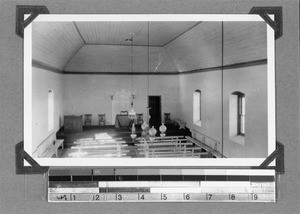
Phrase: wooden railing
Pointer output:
(209, 141)
(206, 147)
(173, 146)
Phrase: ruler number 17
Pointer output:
(208, 196)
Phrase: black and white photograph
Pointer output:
(154, 87)
(157, 106)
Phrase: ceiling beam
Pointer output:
(118, 73)
(181, 34)
(80, 35)
(155, 46)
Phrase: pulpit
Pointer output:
(122, 121)
(73, 123)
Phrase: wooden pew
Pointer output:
(49, 147)
(164, 138)
(97, 146)
(115, 149)
(99, 142)
(98, 154)
(176, 146)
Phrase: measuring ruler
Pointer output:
(159, 185)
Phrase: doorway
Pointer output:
(154, 102)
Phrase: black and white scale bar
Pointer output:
(161, 197)
(164, 178)
(199, 185)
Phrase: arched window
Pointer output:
(197, 107)
(50, 110)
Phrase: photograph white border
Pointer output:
(147, 162)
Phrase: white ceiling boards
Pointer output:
(171, 44)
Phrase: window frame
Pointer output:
(241, 113)
(197, 107)
(50, 110)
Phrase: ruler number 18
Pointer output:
(255, 197)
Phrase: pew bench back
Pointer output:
(48, 147)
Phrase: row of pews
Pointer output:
(158, 147)
(171, 146)
(99, 148)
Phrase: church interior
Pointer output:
(165, 89)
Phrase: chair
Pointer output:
(101, 120)
(88, 119)
(139, 119)
(168, 118)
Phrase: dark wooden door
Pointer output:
(155, 110)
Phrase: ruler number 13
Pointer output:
(119, 197)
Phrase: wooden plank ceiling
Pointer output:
(55, 43)
(244, 42)
(173, 46)
(116, 58)
(198, 48)
(115, 33)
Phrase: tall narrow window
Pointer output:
(50, 110)
(241, 114)
(197, 107)
(237, 108)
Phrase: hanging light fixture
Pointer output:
(162, 130)
(131, 113)
(145, 125)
